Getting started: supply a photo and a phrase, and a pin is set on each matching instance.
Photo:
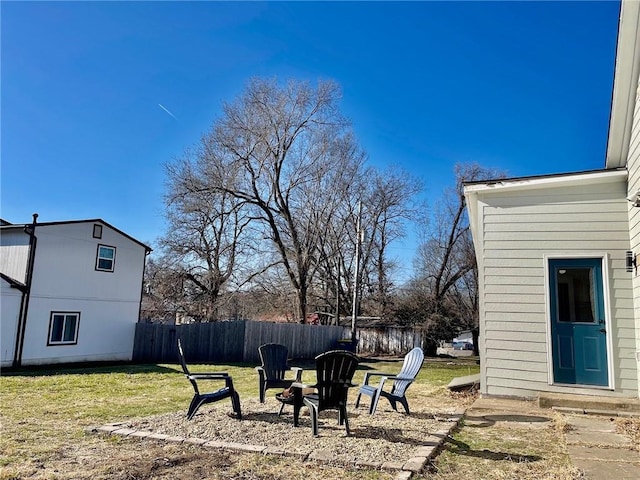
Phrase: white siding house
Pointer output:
(71, 292)
(559, 304)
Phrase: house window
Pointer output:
(106, 258)
(63, 328)
(97, 231)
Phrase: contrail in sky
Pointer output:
(166, 110)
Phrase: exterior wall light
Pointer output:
(631, 261)
(634, 198)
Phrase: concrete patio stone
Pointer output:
(321, 456)
(597, 438)
(253, 448)
(405, 469)
(604, 454)
(300, 455)
(415, 464)
(432, 441)
(107, 428)
(392, 466)
(214, 444)
(175, 439)
(239, 447)
(403, 475)
(427, 451)
(195, 441)
(274, 451)
(371, 465)
(597, 469)
(593, 445)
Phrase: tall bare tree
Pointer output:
(389, 205)
(447, 280)
(206, 235)
(271, 192)
(289, 154)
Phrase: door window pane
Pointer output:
(576, 295)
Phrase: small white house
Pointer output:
(70, 292)
(558, 277)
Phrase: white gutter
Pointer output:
(474, 190)
(530, 183)
(625, 84)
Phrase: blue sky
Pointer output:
(520, 86)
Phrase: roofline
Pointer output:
(625, 83)
(537, 181)
(68, 222)
(475, 192)
(13, 282)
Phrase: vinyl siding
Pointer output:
(518, 230)
(633, 166)
(9, 310)
(65, 280)
(14, 253)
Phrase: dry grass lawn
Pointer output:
(507, 450)
(44, 415)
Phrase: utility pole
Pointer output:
(356, 279)
(337, 317)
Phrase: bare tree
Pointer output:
(287, 153)
(446, 262)
(271, 192)
(206, 235)
(389, 204)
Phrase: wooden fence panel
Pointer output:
(213, 342)
(388, 340)
(303, 341)
(151, 343)
(236, 341)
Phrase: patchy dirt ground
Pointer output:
(103, 457)
(387, 436)
(109, 458)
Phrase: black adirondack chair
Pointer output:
(334, 372)
(272, 372)
(200, 399)
(401, 382)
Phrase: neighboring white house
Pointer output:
(71, 292)
(559, 301)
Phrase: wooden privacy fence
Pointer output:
(236, 341)
(387, 340)
(303, 341)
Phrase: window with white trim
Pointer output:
(63, 328)
(106, 258)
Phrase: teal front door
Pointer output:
(578, 328)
